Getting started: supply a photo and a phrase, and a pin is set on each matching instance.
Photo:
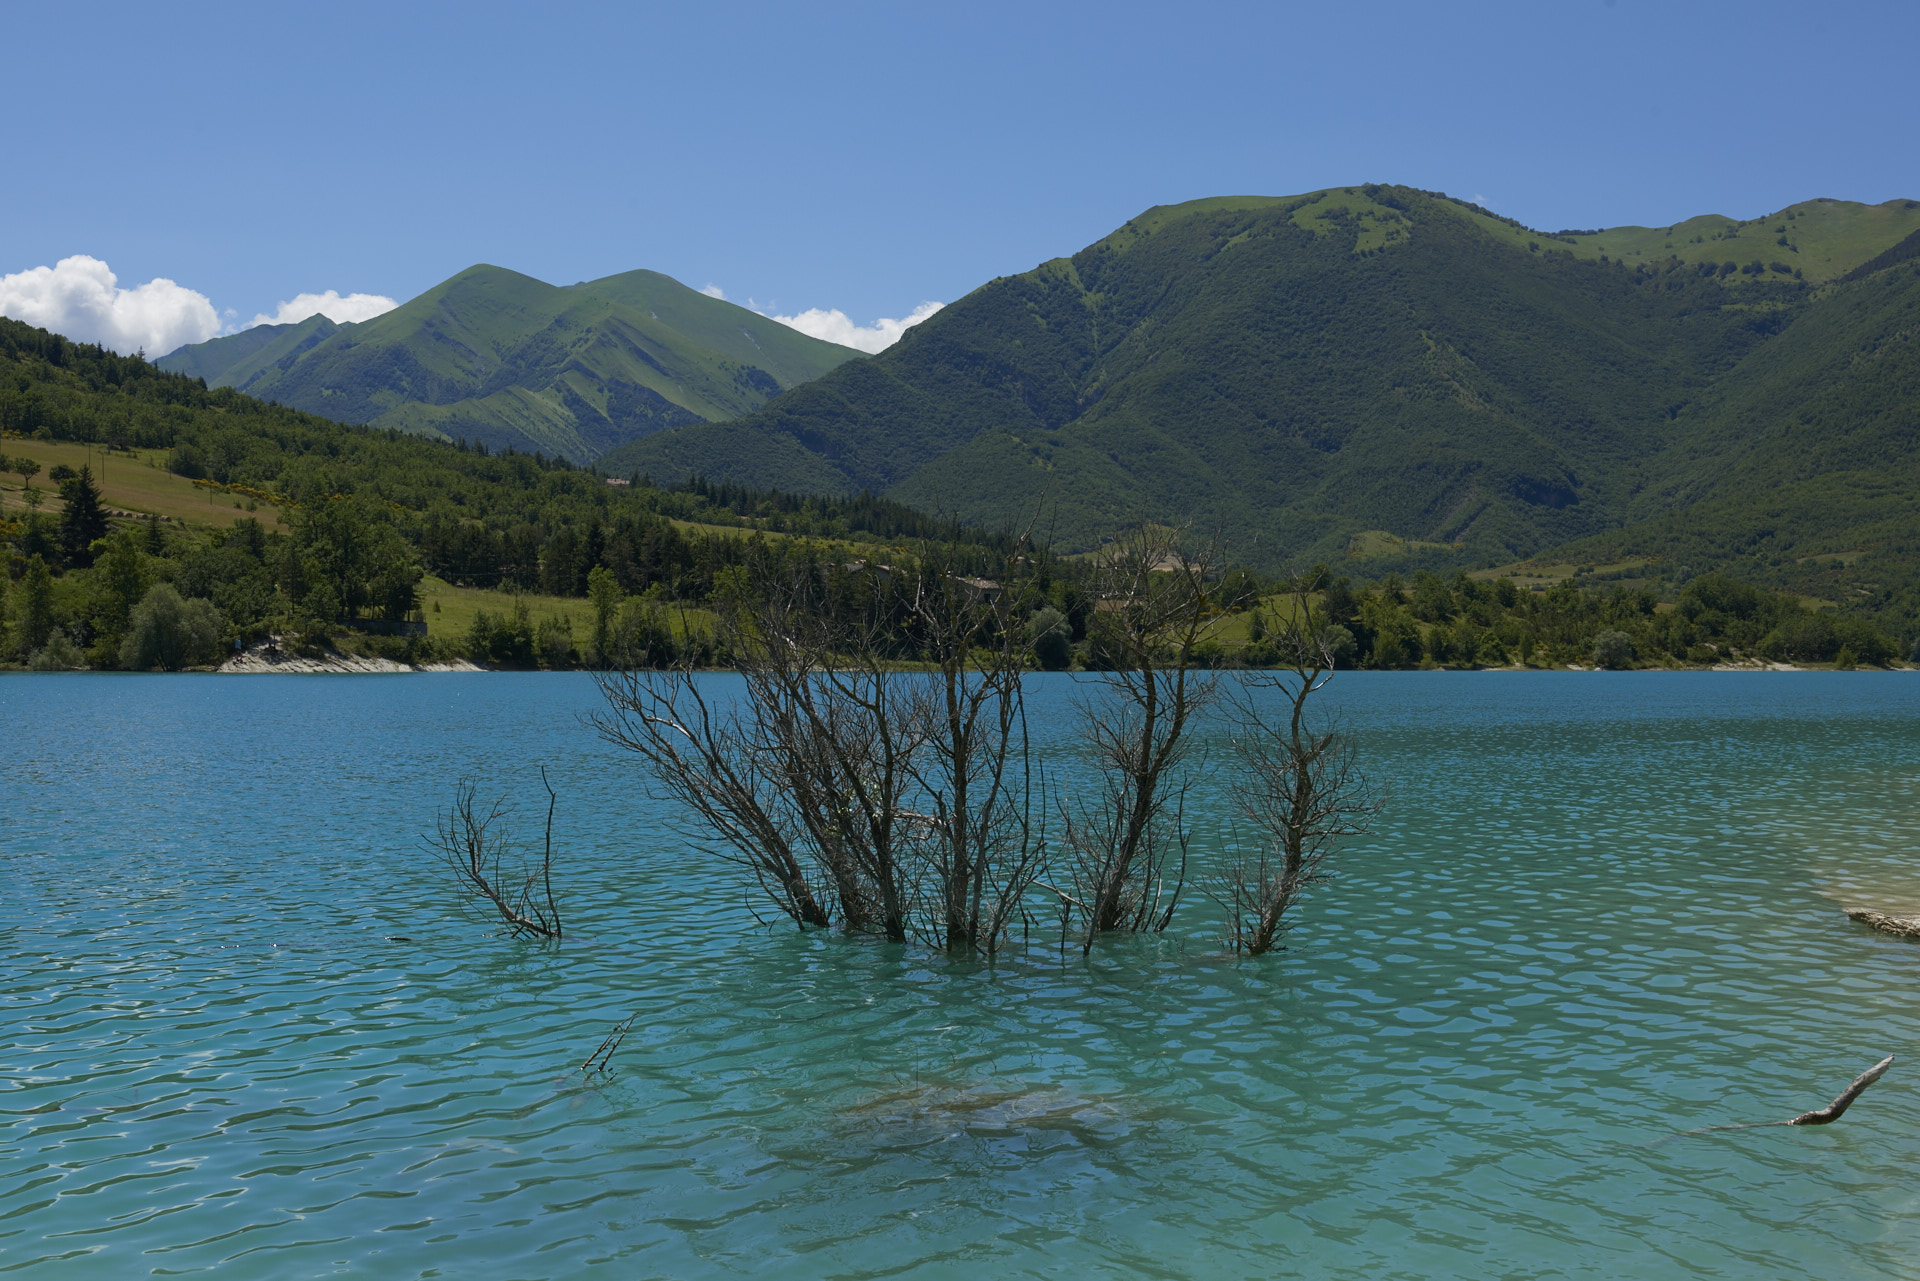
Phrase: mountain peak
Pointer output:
(494, 355)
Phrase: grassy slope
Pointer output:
(496, 356)
(238, 357)
(1825, 238)
(136, 481)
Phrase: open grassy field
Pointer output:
(136, 481)
(1369, 543)
(449, 610)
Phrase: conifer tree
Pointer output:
(83, 521)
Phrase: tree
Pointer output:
(982, 851)
(350, 546)
(83, 521)
(891, 800)
(1052, 639)
(726, 762)
(169, 632)
(27, 469)
(1299, 787)
(1342, 650)
(1613, 649)
(58, 655)
(1129, 843)
(603, 591)
(844, 725)
(122, 574)
(36, 605)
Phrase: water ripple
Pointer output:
(246, 1030)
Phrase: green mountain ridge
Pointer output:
(502, 359)
(1802, 465)
(1297, 372)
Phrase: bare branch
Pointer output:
(1301, 791)
(602, 1055)
(1129, 844)
(468, 840)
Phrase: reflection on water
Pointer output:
(1600, 909)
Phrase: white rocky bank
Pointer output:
(269, 657)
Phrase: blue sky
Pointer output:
(872, 157)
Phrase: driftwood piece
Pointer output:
(1819, 1116)
(1831, 1112)
(1903, 926)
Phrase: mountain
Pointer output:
(499, 358)
(1357, 369)
(1801, 466)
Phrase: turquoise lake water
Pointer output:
(1599, 909)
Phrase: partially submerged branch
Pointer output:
(1831, 1113)
(469, 841)
(1819, 1116)
(1301, 789)
(603, 1053)
(1129, 844)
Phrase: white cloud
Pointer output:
(836, 326)
(712, 290)
(81, 298)
(342, 311)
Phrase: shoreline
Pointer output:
(254, 662)
(268, 659)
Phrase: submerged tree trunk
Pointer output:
(982, 848)
(1300, 788)
(1130, 844)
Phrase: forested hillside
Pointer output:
(501, 359)
(310, 524)
(1360, 370)
(1802, 466)
(183, 521)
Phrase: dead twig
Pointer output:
(603, 1053)
(468, 840)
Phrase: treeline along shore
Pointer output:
(149, 522)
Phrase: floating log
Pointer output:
(1903, 926)
(1819, 1116)
(1831, 1112)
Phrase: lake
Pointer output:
(249, 1030)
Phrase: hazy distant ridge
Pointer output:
(492, 355)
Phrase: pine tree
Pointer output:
(83, 521)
